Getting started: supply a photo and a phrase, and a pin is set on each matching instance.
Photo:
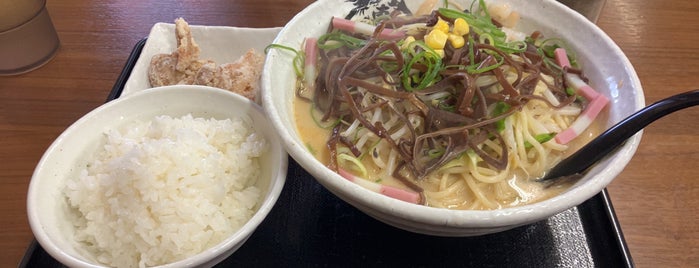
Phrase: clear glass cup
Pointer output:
(28, 39)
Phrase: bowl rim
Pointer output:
(237, 238)
(519, 215)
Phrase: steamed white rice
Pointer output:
(163, 190)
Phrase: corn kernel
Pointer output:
(440, 52)
(407, 42)
(442, 26)
(436, 39)
(456, 41)
(460, 27)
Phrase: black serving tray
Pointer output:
(310, 227)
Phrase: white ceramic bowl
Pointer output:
(68, 154)
(607, 67)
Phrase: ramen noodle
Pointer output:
(449, 108)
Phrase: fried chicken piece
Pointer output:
(180, 65)
(183, 66)
(162, 70)
(187, 50)
(241, 76)
(206, 74)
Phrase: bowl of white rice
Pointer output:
(176, 176)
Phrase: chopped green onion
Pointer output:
(358, 166)
(473, 68)
(299, 57)
(435, 153)
(487, 39)
(540, 138)
(337, 39)
(428, 57)
(389, 67)
(270, 46)
(484, 27)
(571, 92)
(548, 50)
(546, 47)
(471, 51)
(516, 46)
(500, 108)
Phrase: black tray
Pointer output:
(311, 227)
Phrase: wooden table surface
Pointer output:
(656, 197)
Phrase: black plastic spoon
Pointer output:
(609, 140)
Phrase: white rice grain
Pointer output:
(163, 190)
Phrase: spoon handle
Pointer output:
(609, 140)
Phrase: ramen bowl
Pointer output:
(602, 61)
(52, 211)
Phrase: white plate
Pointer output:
(221, 44)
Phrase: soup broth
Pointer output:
(467, 125)
(515, 191)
